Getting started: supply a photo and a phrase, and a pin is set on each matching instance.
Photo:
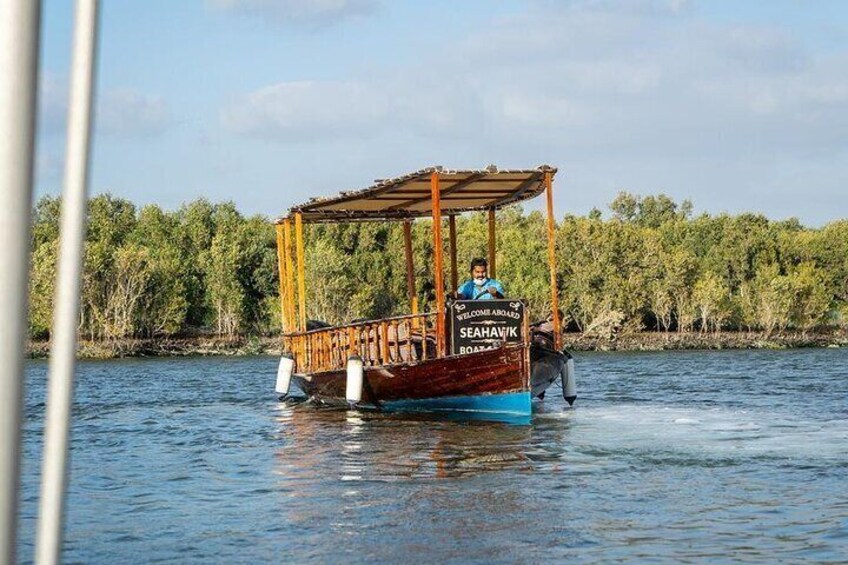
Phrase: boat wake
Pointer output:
(715, 432)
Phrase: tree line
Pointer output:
(648, 264)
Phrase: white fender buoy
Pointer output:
(355, 377)
(569, 383)
(284, 373)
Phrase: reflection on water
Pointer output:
(393, 447)
(728, 456)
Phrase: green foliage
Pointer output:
(164, 304)
(810, 299)
(41, 284)
(712, 300)
(205, 267)
(648, 211)
(157, 273)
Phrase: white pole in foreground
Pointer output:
(66, 309)
(19, 27)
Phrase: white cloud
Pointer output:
(123, 112)
(129, 113)
(311, 13)
(647, 93)
(654, 71)
(308, 110)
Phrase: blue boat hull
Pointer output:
(511, 403)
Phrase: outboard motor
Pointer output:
(548, 365)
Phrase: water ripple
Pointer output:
(668, 457)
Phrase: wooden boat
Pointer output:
(469, 356)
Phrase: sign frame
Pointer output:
(478, 325)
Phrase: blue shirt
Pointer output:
(470, 291)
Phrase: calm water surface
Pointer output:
(677, 457)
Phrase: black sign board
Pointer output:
(484, 324)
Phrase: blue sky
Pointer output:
(739, 106)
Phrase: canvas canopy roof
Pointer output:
(409, 196)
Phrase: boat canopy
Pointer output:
(410, 196)
(433, 192)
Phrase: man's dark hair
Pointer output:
(478, 262)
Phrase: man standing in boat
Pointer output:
(480, 287)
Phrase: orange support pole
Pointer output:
(410, 266)
(396, 329)
(301, 269)
(492, 266)
(289, 275)
(281, 268)
(385, 355)
(424, 339)
(552, 259)
(435, 195)
(452, 237)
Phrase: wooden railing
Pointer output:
(401, 339)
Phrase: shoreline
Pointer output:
(673, 341)
(639, 341)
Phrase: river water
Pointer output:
(667, 457)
